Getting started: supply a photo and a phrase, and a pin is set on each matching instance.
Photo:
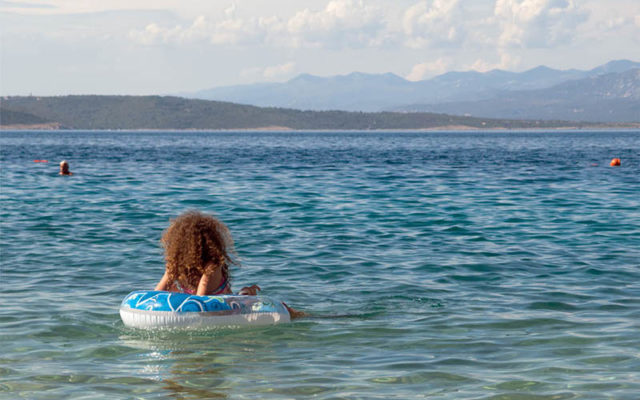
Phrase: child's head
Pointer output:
(196, 243)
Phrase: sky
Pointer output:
(139, 47)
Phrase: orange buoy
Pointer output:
(615, 162)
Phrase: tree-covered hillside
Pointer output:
(156, 112)
(9, 117)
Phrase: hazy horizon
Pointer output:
(136, 48)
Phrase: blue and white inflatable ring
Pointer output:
(169, 310)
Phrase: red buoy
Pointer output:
(615, 162)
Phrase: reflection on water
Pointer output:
(202, 364)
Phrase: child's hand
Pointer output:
(293, 313)
(249, 290)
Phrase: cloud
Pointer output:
(615, 23)
(341, 24)
(358, 24)
(148, 36)
(506, 62)
(436, 22)
(538, 23)
(75, 7)
(22, 5)
(278, 71)
(270, 73)
(230, 31)
(236, 30)
(429, 69)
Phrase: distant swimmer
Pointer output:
(64, 168)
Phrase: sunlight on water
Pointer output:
(447, 265)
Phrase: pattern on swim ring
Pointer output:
(183, 302)
(178, 302)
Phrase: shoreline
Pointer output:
(444, 128)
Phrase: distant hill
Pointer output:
(371, 92)
(605, 98)
(8, 117)
(155, 112)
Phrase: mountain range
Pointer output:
(539, 93)
(612, 97)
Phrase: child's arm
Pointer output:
(163, 284)
(203, 285)
(249, 290)
(293, 313)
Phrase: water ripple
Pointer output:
(477, 265)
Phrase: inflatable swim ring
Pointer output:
(169, 310)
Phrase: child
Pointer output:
(198, 251)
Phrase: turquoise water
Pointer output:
(500, 265)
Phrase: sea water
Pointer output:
(448, 265)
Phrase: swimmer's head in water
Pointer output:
(64, 168)
(196, 243)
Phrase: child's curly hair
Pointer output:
(194, 244)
